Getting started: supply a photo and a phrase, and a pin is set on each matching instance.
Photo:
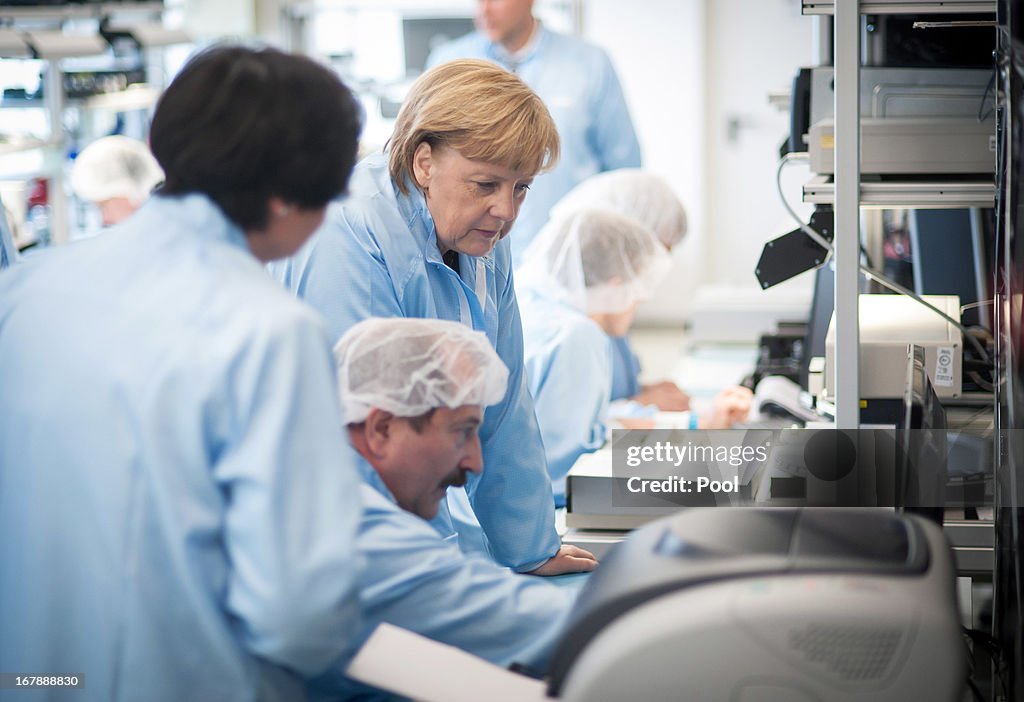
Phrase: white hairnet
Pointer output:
(634, 193)
(411, 366)
(115, 166)
(595, 260)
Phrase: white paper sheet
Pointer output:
(408, 664)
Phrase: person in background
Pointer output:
(583, 278)
(423, 234)
(577, 82)
(117, 174)
(179, 505)
(413, 394)
(8, 251)
(650, 200)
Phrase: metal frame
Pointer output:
(897, 7)
(820, 190)
(847, 214)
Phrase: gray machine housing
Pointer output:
(802, 605)
(913, 121)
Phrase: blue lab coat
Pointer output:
(578, 83)
(416, 580)
(8, 252)
(377, 256)
(568, 363)
(625, 370)
(178, 502)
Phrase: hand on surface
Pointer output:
(730, 406)
(665, 395)
(569, 559)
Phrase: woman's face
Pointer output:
(473, 203)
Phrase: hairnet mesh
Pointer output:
(411, 366)
(645, 197)
(595, 260)
(115, 166)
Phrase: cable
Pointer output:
(873, 275)
(988, 89)
(806, 228)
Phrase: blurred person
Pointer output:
(577, 82)
(582, 280)
(649, 199)
(413, 394)
(423, 234)
(117, 174)
(179, 504)
(8, 251)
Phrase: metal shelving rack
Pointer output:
(847, 193)
(35, 32)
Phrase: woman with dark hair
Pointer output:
(178, 500)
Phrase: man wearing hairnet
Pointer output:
(413, 393)
(582, 280)
(650, 200)
(116, 174)
(579, 86)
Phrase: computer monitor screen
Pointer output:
(422, 35)
(950, 251)
(921, 472)
(822, 305)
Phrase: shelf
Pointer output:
(62, 12)
(134, 97)
(25, 145)
(820, 190)
(901, 7)
(138, 96)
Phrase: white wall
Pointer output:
(690, 68)
(755, 46)
(658, 48)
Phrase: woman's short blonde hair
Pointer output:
(479, 109)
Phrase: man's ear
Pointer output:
(423, 165)
(378, 431)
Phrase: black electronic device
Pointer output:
(950, 42)
(822, 306)
(791, 254)
(921, 471)
(950, 251)
(799, 112)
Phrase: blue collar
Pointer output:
(373, 479)
(199, 214)
(497, 53)
(414, 209)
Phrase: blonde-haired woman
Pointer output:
(422, 234)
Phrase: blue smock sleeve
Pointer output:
(625, 370)
(415, 580)
(293, 501)
(572, 386)
(611, 132)
(512, 497)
